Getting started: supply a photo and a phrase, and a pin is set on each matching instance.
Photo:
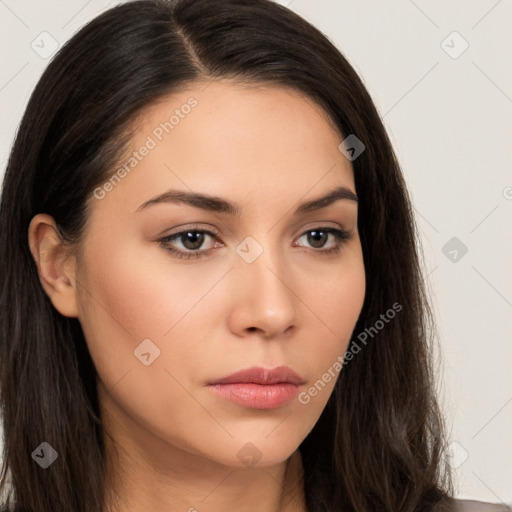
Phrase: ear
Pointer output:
(55, 265)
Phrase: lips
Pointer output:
(263, 376)
(259, 388)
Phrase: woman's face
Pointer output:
(255, 288)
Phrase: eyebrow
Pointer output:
(219, 205)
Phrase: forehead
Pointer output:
(271, 142)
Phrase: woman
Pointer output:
(211, 293)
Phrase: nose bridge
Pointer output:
(264, 298)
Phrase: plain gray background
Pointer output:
(440, 75)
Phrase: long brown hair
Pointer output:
(379, 442)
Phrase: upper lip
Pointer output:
(259, 375)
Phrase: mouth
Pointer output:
(259, 388)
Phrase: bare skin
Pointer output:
(266, 149)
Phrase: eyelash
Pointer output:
(341, 235)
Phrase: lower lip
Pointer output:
(257, 396)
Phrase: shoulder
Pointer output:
(479, 506)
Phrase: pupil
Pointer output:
(195, 239)
(314, 238)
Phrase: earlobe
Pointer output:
(55, 265)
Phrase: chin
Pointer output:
(259, 452)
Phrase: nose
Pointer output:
(261, 298)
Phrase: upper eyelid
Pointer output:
(216, 232)
(210, 232)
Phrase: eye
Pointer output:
(192, 240)
(318, 237)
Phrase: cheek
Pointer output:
(335, 293)
(335, 297)
(351, 296)
(131, 293)
(140, 290)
